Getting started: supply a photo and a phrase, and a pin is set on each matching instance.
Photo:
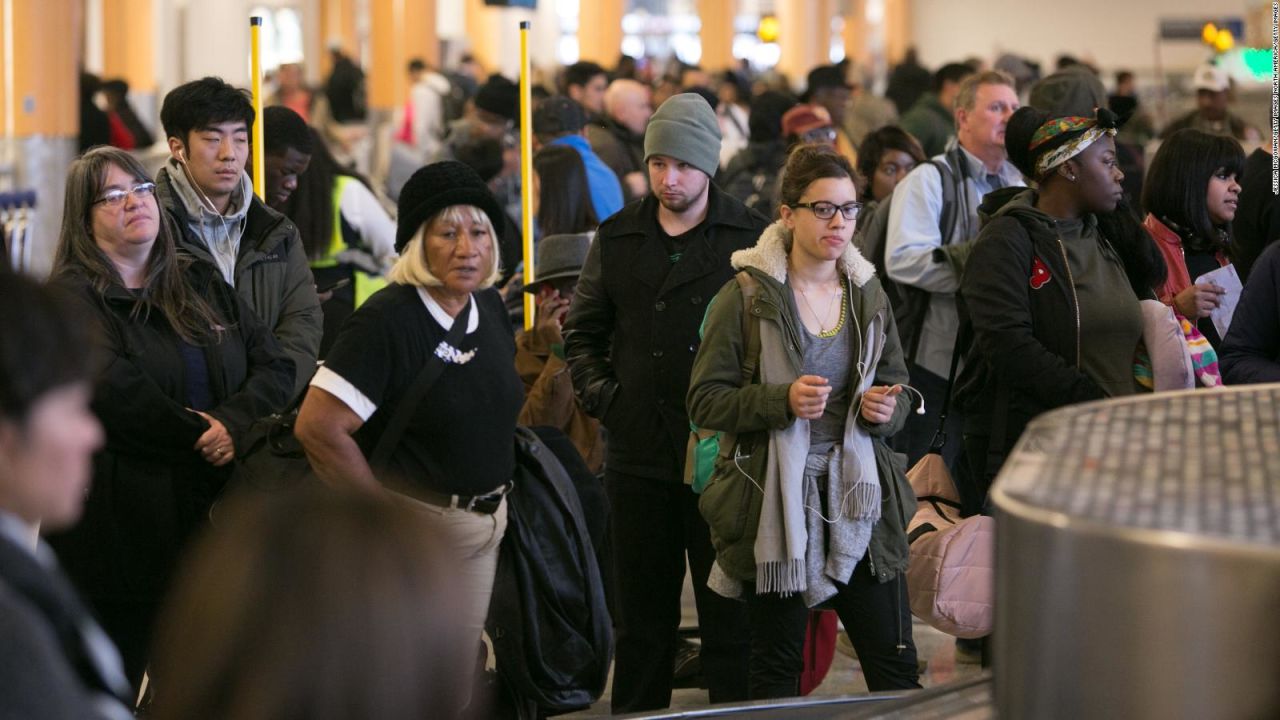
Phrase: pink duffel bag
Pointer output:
(950, 581)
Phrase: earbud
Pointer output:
(904, 386)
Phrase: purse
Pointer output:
(951, 571)
(951, 574)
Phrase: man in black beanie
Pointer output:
(630, 341)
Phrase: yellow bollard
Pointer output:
(259, 166)
(526, 172)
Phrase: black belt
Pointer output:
(486, 504)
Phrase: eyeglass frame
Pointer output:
(813, 208)
(823, 134)
(116, 198)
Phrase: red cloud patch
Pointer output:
(1039, 274)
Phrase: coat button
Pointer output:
(695, 300)
(657, 353)
(660, 306)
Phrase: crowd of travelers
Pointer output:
(261, 453)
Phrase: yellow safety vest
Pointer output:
(366, 284)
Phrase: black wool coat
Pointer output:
(632, 332)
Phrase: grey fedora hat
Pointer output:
(559, 256)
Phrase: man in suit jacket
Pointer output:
(57, 662)
(630, 340)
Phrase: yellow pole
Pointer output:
(526, 172)
(259, 166)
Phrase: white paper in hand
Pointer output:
(1227, 279)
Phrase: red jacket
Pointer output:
(1170, 244)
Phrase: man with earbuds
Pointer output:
(205, 189)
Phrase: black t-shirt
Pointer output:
(676, 244)
(460, 440)
(1200, 263)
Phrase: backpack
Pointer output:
(871, 238)
(552, 633)
(704, 445)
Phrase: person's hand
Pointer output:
(552, 310)
(807, 396)
(215, 444)
(1198, 301)
(323, 297)
(879, 402)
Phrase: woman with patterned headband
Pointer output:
(1052, 286)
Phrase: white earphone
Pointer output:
(904, 386)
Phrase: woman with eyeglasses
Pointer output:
(807, 504)
(185, 368)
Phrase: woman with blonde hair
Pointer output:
(419, 394)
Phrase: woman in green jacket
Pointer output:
(807, 505)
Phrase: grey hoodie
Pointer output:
(220, 233)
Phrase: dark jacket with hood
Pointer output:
(632, 332)
(271, 274)
(151, 487)
(1018, 293)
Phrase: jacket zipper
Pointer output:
(1074, 298)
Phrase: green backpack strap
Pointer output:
(704, 445)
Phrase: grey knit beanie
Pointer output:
(685, 128)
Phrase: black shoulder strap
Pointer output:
(962, 341)
(409, 401)
(951, 168)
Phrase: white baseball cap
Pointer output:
(1210, 77)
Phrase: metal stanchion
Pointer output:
(526, 172)
(259, 166)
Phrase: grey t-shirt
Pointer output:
(829, 358)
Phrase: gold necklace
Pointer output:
(823, 331)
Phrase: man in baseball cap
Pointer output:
(1213, 98)
(630, 341)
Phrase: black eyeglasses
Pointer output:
(825, 210)
(115, 198)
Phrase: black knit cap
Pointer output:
(501, 97)
(436, 187)
(558, 115)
